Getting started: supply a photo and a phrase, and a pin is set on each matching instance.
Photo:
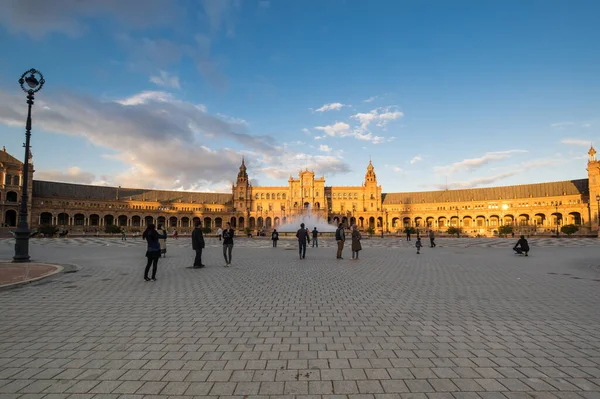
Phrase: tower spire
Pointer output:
(592, 153)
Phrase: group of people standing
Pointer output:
(303, 236)
(156, 237)
(154, 251)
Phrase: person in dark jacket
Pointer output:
(356, 237)
(275, 237)
(522, 246)
(302, 235)
(228, 235)
(153, 250)
(198, 245)
(340, 237)
(432, 238)
(315, 236)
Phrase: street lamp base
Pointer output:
(21, 245)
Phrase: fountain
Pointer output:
(310, 221)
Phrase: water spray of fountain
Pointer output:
(310, 220)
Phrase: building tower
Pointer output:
(372, 193)
(593, 170)
(242, 195)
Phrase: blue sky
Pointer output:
(171, 95)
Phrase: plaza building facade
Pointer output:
(531, 209)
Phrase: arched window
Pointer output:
(272, 195)
(257, 196)
(262, 196)
(283, 196)
(345, 196)
(268, 196)
(355, 196)
(16, 180)
(316, 193)
(278, 195)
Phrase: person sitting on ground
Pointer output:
(522, 246)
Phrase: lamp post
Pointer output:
(556, 207)
(598, 210)
(34, 84)
(457, 224)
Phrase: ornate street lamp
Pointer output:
(31, 82)
(556, 206)
(598, 211)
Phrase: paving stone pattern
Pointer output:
(459, 321)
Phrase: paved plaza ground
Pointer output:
(467, 319)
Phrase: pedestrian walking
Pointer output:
(275, 237)
(407, 231)
(302, 235)
(315, 238)
(123, 235)
(431, 238)
(356, 237)
(220, 233)
(163, 241)
(340, 237)
(153, 250)
(228, 235)
(198, 245)
(418, 245)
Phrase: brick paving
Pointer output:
(465, 320)
(14, 273)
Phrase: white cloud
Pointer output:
(472, 164)
(165, 79)
(562, 124)
(370, 99)
(381, 117)
(586, 125)
(331, 107)
(71, 175)
(415, 159)
(69, 17)
(235, 121)
(221, 14)
(476, 182)
(325, 148)
(147, 96)
(576, 142)
(142, 128)
(521, 167)
(397, 169)
(338, 129)
(370, 137)
(292, 162)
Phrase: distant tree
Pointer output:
(112, 229)
(454, 230)
(206, 230)
(569, 229)
(247, 231)
(505, 230)
(410, 230)
(370, 231)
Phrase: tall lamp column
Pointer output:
(556, 207)
(598, 209)
(31, 82)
